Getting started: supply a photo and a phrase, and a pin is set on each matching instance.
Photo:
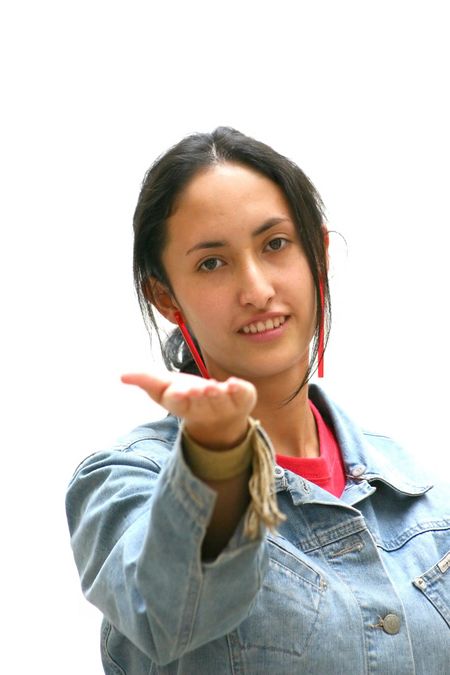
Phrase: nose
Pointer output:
(255, 286)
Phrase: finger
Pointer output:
(195, 397)
(191, 386)
(241, 392)
(236, 385)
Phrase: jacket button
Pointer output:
(278, 471)
(358, 470)
(391, 624)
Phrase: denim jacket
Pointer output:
(357, 584)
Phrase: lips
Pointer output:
(263, 326)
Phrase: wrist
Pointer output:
(221, 437)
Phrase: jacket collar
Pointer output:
(369, 457)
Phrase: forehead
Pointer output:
(225, 190)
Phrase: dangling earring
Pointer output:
(320, 352)
(190, 343)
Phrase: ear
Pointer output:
(161, 298)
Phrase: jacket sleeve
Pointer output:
(136, 533)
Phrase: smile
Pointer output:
(263, 326)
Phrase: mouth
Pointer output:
(263, 326)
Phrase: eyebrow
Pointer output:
(271, 222)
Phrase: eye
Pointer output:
(277, 244)
(210, 264)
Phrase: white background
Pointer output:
(355, 92)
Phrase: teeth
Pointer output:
(261, 326)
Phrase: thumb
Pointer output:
(153, 385)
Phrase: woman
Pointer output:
(201, 560)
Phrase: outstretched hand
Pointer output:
(215, 413)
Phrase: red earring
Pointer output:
(190, 343)
(321, 333)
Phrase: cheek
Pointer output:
(299, 288)
(303, 299)
(203, 311)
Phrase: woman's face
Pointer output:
(239, 275)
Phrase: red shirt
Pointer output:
(326, 471)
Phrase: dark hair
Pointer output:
(165, 181)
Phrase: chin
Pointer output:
(271, 369)
(263, 365)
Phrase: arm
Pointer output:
(215, 416)
(137, 536)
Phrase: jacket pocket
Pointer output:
(286, 608)
(435, 585)
(110, 666)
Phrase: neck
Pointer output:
(291, 426)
